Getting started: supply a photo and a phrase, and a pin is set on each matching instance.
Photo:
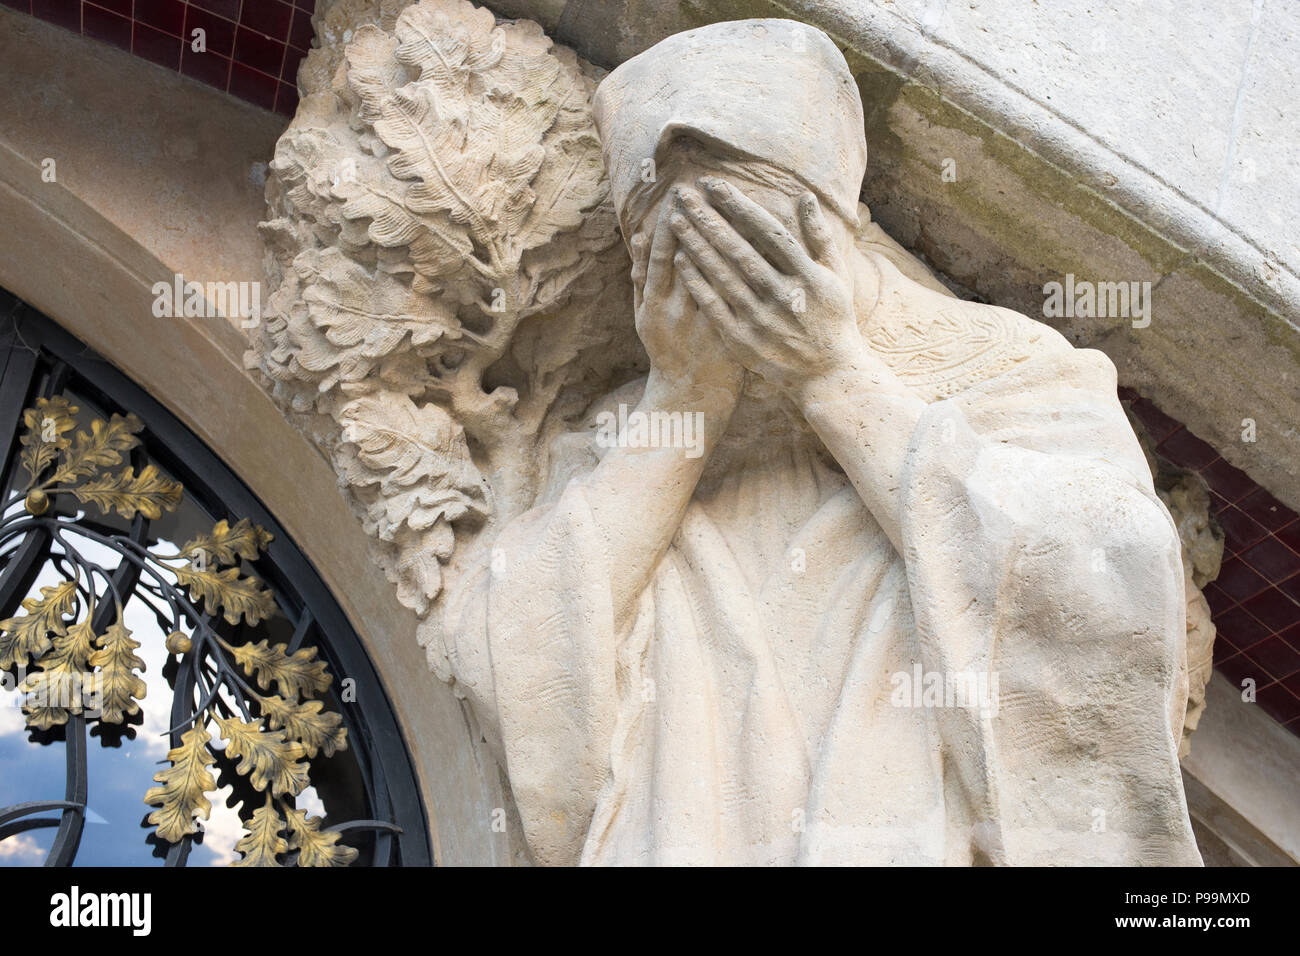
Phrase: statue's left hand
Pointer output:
(783, 307)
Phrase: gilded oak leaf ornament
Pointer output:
(75, 658)
(262, 842)
(316, 847)
(182, 799)
(120, 687)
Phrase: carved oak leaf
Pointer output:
(305, 167)
(182, 800)
(26, 636)
(418, 568)
(367, 315)
(119, 686)
(316, 847)
(262, 843)
(441, 183)
(416, 454)
(297, 675)
(266, 757)
(54, 692)
(308, 723)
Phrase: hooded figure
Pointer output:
(1000, 678)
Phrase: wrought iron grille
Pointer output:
(134, 566)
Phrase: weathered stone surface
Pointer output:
(1067, 164)
(692, 645)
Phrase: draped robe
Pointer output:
(757, 710)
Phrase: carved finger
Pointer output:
(816, 231)
(708, 300)
(637, 247)
(757, 271)
(757, 225)
(659, 272)
(721, 274)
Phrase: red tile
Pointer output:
(66, 13)
(1273, 608)
(219, 34)
(1266, 509)
(301, 33)
(1240, 628)
(252, 86)
(1291, 588)
(292, 60)
(1272, 559)
(1219, 601)
(1238, 580)
(1292, 635)
(1223, 648)
(1158, 424)
(1185, 449)
(156, 47)
(1238, 668)
(23, 6)
(1277, 657)
(165, 15)
(224, 8)
(286, 101)
(1278, 702)
(268, 17)
(120, 7)
(1290, 536)
(209, 68)
(253, 49)
(1292, 684)
(106, 27)
(1240, 531)
(308, 5)
(1231, 483)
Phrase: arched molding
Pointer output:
(123, 213)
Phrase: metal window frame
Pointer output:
(38, 357)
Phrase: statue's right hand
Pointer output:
(684, 349)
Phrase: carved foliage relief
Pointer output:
(439, 243)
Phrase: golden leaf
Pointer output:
(181, 799)
(298, 676)
(55, 692)
(117, 681)
(26, 635)
(226, 545)
(102, 447)
(316, 847)
(149, 492)
(305, 723)
(227, 592)
(262, 843)
(43, 433)
(265, 756)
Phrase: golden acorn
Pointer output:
(178, 643)
(37, 502)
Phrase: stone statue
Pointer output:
(743, 539)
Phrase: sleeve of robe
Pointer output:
(532, 645)
(1038, 553)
